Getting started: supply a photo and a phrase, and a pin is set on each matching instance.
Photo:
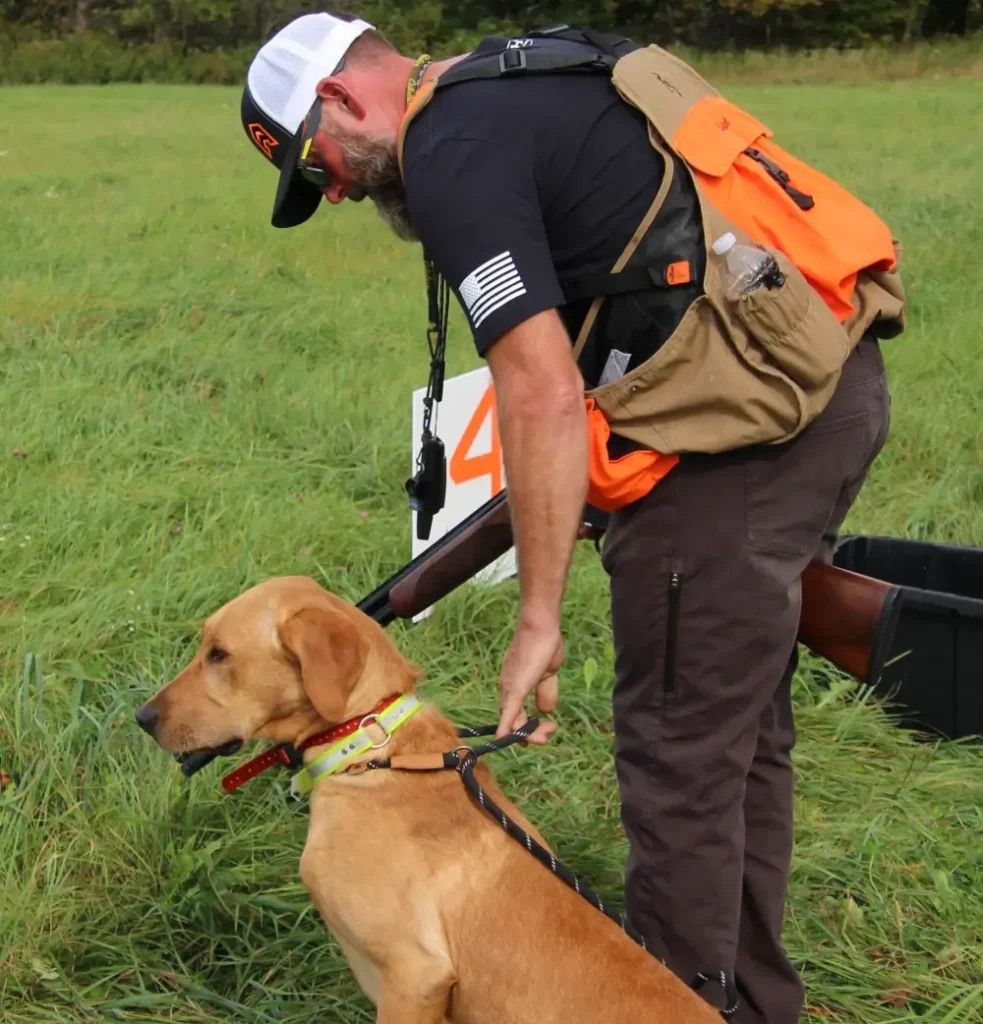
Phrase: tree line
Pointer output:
(440, 25)
(99, 41)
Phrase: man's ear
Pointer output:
(332, 90)
(331, 652)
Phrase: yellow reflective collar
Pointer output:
(341, 754)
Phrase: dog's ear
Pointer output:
(331, 651)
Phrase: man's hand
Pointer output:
(543, 424)
(531, 663)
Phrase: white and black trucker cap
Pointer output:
(281, 86)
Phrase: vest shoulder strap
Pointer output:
(518, 61)
(608, 43)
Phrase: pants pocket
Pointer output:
(791, 490)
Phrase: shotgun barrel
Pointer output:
(455, 558)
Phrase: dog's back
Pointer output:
(529, 948)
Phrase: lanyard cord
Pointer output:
(438, 300)
(419, 69)
(427, 487)
(438, 295)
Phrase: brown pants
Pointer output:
(705, 598)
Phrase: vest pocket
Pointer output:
(795, 328)
(714, 133)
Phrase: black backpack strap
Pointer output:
(524, 61)
(572, 35)
(609, 43)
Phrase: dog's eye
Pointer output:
(215, 655)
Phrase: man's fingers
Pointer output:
(511, 716)
(529, 665)
(542, 734)
(547, 694)
(539, 738)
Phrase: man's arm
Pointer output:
(472, 190)
(542, 422)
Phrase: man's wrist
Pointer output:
(539, 615)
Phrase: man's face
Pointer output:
(363, 163)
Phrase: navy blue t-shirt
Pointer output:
(513, 184)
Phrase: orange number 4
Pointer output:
(463, 465)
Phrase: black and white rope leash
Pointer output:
(466, 765)
(464, 760)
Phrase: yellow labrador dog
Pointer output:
(442, 916)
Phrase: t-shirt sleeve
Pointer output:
(475, 207)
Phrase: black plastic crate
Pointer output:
(929, 655)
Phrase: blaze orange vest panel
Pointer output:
(615, 483)
(829, 242)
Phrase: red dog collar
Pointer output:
(289, 756)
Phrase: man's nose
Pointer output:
(147, 718)
(334, 193)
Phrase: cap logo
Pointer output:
(265, 142)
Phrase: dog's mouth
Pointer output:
(192, 761)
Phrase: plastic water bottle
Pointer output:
(748, 267)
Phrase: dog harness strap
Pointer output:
(418, 762)
(286, 755)
(340, 754)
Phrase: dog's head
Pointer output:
(279, 662)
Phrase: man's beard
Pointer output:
(390, 203)
(375, 172)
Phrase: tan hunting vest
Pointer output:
(758, 369)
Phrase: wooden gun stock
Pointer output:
(844, 615)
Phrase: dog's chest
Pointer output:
(364, 865)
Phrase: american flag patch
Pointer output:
(495, 283)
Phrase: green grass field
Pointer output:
(193, 402)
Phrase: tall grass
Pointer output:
(192, 402)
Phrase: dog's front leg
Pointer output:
(415, 992)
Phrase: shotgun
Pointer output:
(846, 618)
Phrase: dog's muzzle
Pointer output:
(192, 761)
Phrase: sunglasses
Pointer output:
(314, 173)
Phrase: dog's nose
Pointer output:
(147, 718)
